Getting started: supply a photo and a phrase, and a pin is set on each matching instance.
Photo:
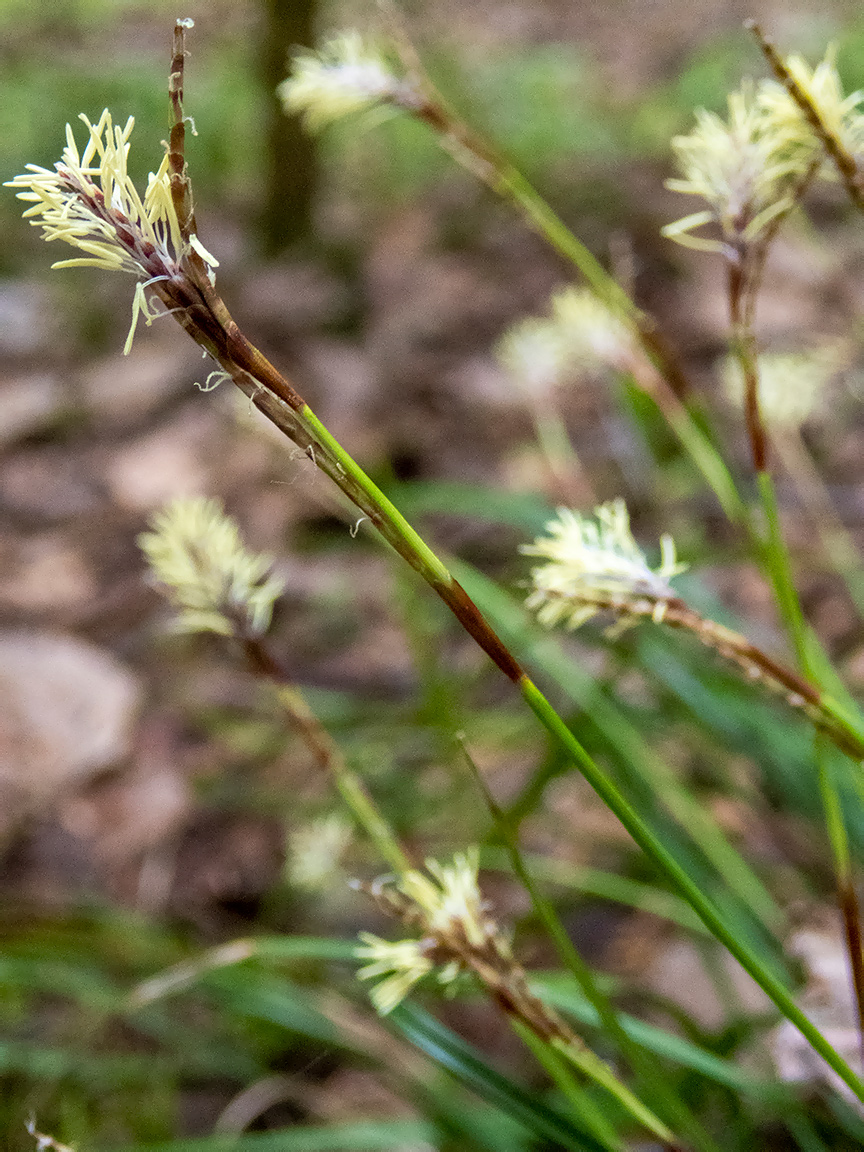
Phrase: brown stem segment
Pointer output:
(755, 664)
(181, 191)
(799, 693)
(843, 160)
(263, 663)
(327, 754)
(745, 350)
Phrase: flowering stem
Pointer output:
(669, 384)
(273, 396)
(479, 158)
(278, 400)
(580, 1101)
(843, 160)
(351, 787)
(699, 902)
(642, 1065)
(508, 182)
(328, 756)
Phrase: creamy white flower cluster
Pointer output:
(90, 202)
(747, 166)
(792, 385)
(446, 905)
(348, 75)
(195, 552)
(595, 565)
(580, 335)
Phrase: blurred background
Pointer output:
(151, 804)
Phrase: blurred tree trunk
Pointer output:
(286, 217)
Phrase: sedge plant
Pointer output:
(752, 170)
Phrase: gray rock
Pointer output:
(67, 712)
(28, 403)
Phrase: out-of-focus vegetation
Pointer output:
(124, 1027)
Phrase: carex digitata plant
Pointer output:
(750, 171)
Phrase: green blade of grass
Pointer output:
(605, 885)
(363, 1136)
(470, 1069)
(562, 993)
(545, 652)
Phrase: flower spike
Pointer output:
(745, 167)
(596, 565)
(195, 552)
(90, 202)
(347, 75)
(445, 904)
(839, 117)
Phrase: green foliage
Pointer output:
(111, 1022)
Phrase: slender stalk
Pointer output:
(652, 1078)
(479, 158)
(836, 541)
(834, 147)
(581, 1103)
(668, 383)
(700, 903)
(328, 756)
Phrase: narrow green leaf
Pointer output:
(562, 993)
(265, 997)
(605, 885)
(364, 1136)
(546, 653)
(469, 1067)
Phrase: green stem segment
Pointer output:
(328, 756)
(653, 847)
(581, 1103)
(269, 392)
(652, 1077)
